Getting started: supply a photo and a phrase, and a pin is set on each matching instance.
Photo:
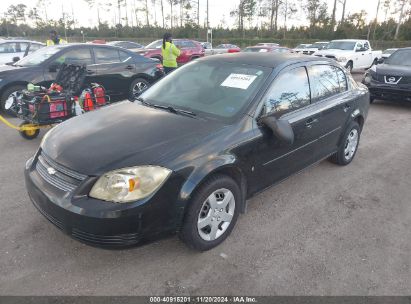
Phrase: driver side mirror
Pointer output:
(15, 59)
(380, 61)
(281, 128)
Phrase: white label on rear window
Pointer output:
(239, 81)
(263, 50)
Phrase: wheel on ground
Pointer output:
(138, 86)
(29, 134)
(212, 213)
(6, 94)
(372, 99)
(349, 145)
(349, 66)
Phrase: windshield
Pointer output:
(302, 46)
(341, 45)
(389, 51)
(400, 57)
(39, 56)
(219, 90)
(319, 45)
(154, 45)
(255, 50)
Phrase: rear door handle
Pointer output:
(309, 123)
(129, 67)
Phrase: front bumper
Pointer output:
(106, 224)
(384, 91)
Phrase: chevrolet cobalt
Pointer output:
(187, 154)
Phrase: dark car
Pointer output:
(391, 80)
(188, 153)
(121, 72)
(190, 50)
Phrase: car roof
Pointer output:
(20, 40)
(349, 40)
(270, 60)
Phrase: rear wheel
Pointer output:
(138, 86)
(29, 134)
(212, 213)
(349, 145)
(7, 94)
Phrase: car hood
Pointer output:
(393, 70)
(123, 135)
(333, 52)
(5, 68)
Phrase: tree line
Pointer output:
(254, 19)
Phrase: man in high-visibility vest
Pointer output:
(54, 39)
(170, 53)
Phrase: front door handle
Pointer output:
(129, 67)
(309, 123)
(90, 72)
(346, 107)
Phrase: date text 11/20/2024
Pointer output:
(203, 299)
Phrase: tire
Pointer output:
(224, 190)
(345, 153)
(29, 134)
(143, 83)
(349, 66)
(6, 95)
(372, 99)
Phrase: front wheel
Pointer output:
(349, 66)
(212, 213)
(349, 145)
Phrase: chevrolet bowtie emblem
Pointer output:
(51, 171)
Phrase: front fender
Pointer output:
(201, 172)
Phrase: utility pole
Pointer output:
(208, 24)
(375, 20)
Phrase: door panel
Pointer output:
(114, 70)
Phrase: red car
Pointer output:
(190, 50)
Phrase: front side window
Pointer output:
(400, 57)
(326, 81)
(34, 47)
(40, 56)
(219, 90)
(76, 56)
(290, 91)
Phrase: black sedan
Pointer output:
(391, 80)
(121, 72)
(188, 153)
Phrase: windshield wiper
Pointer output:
(169, 108)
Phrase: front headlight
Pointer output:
(129, 184)
(367, 78)
(341, 59)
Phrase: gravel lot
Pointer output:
(326, 231)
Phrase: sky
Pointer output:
(218, 10)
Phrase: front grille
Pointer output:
(56, 175)
(51, 218)
(405, 80)
(106, 240)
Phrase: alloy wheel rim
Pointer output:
(216, 214)
(351, 144)
(139, 87)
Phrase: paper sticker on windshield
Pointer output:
(240, 81)
(263, 50)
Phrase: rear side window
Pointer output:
(124, 56)
(290, 91)
(34, 47)
(325, 81)
(106, 55)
